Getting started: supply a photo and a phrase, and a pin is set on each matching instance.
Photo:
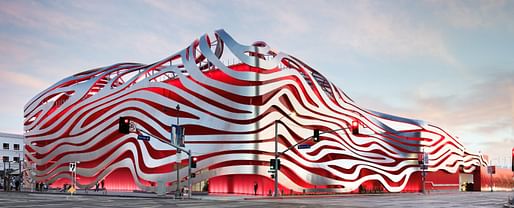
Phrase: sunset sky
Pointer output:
(450, 63)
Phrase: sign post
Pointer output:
(491, 170)
(73, 169)
(423, 164)
(176, 141)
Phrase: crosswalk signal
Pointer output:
(193, 175)
(124, 125)
(316, 135)
(272, 164)
(193, 162)
(355, 127)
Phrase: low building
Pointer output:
(12, 154)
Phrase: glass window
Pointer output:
(16, 159)
(6, 158)
(6, 146)
(16, 146)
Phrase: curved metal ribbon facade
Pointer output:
(228, 111)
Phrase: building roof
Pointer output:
(9, 135)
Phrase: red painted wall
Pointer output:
(242, 184)
(502, 179)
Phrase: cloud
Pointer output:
(486, 104)
(19, 80)
(364, 27)
(37, 16)
(474, 14)
(499, 151)
(482, 115)
(192, 11)
(373, 30)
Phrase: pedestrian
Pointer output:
(5, 183)
(103, 187)
(17, 185)
(255, 187)
(97, 186)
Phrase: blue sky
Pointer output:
(448, 62)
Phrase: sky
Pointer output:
(450, 63)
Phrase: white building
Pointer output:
(11, 151)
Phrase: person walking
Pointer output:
(6, 183)
(97, 186)
(17, 185)
(255, 187)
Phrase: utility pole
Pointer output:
(20, 176)
(177, 192)
(275, 194)
(423, 173)
(189, 174)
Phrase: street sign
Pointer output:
(72, 167)
(177, 135)
(304, 146)
(143, 137)
(491, 169)
(72, 190)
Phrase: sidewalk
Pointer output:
(214, 196)
(195, 196)
(82, 192)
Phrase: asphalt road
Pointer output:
(451, 199)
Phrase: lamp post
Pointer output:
(275, 194)
(177, 192)
(423, 173)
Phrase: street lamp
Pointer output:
(177, 192)
(275, 194)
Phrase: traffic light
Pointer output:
(124, 125)
(193, 162)
(272, 164)
(316, 135)
(355, 127)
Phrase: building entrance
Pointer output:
(466, 182)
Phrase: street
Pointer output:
(442, 199)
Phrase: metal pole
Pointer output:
(177, 193)
(491, 181)
(423, 172)
(276, 159)
(189, 174)
(20, 174)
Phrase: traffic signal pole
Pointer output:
(188, 152)
(275, 194)
(277, 154)
(177, 192)
(189, 174)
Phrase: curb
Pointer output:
(109, 195)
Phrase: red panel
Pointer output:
(243, 184)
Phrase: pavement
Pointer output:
(126, 199)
